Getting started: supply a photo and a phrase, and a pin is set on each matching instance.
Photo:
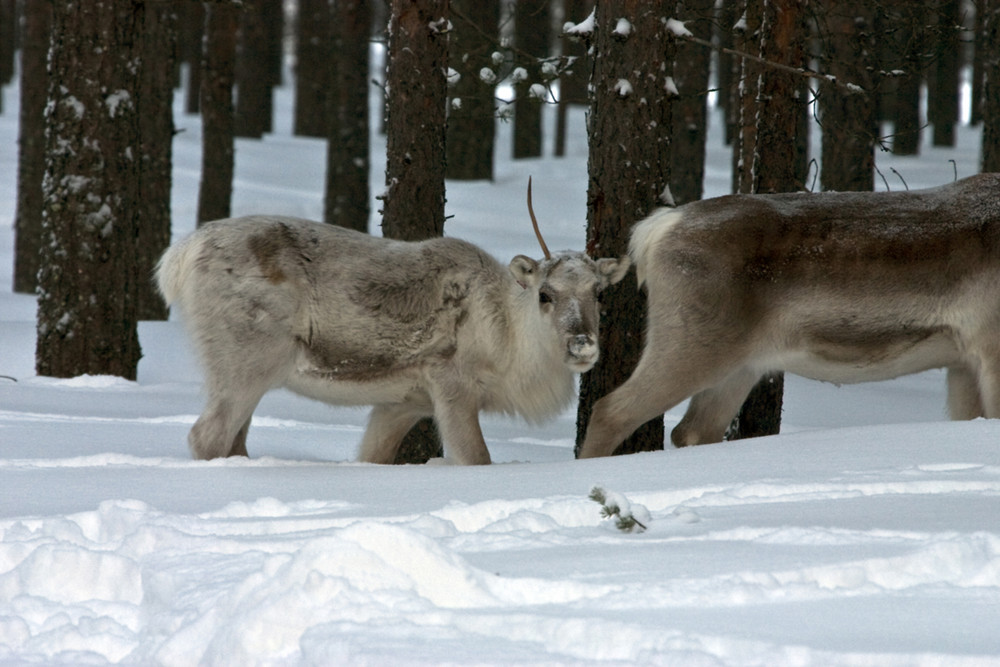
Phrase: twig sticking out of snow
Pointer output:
(616, 505)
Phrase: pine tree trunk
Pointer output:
(850, 127)
(156, 124)
(218, 70)
(348, 155)
(8, 42)
(690, 117)
(253, 74)
(413, 205)
(628, 169)
(87, 284)
(572, 84)
(31, 145)
(471, 108)
(773, 107)
(991, 87)
(312, 55)
(192, 51)
(944, 101)
(907, 21)
(531, 36)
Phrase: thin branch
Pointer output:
(798, 71)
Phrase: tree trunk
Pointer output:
(253, 73)
(31, 144)
(531, 37)
(944, 101)
(628, 171)
(850, 127)
(156, 125)
(907, 20)
(192, 48)
(573, 83)
(991, 86)
(773, 105)
(217, 159)
(87, 283)
(312, 54)
(471, 109)
(690, 117)
(413, 204)
(348, 155)
(8, 42)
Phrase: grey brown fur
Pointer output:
(437, 328)
(841, 287)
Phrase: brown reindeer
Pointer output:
(841, 287)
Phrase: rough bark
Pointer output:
(87, 283)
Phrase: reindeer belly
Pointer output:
(355, 379)
(872, 355)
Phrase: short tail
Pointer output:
(175, 267)
(646, 234)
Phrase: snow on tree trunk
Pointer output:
(629, 170)
(87, 281)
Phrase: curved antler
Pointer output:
(534, 223)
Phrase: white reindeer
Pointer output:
(841, 287)
(436, 328)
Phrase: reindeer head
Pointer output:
(568, 286)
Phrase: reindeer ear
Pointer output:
(525, 270)
(612, 269)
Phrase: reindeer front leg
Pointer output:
(456, 412)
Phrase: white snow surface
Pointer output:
(868, 533)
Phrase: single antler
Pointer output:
(534, 223)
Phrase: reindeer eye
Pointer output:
(544, 297)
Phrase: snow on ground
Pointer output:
(868, 533)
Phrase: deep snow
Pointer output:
(867, 533)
